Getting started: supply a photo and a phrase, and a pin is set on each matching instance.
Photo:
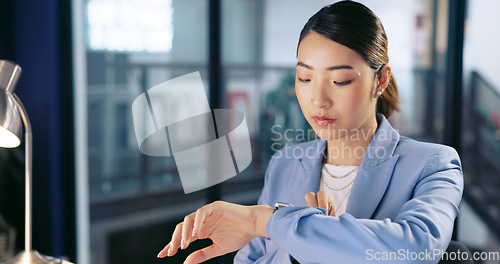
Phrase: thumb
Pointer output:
(203, 254)
(311, 199)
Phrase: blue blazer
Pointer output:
(401, 208)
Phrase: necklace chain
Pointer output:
(341, 202)
(340, 177)
(339, 189)
(335, 208)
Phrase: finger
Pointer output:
(202, 255)
(311, 199)
(187, 230)
(331, 207)
(164, 252)
(176, 239)
(322, 198)
(201, 215)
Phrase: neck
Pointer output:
(350, 149)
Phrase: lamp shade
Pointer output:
(10, 118)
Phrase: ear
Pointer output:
(384, 79)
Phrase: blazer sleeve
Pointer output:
(420, 232)
(257, 247)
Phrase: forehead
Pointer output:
(319, 51)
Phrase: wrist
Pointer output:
(261, 215)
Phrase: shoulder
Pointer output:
(308, 149)
(423, 150)
(296, 158)
(426, 158)
(302, 155)
(286, 172)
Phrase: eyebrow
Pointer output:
(337, 67)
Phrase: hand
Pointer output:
(229, 226)
(322, 200)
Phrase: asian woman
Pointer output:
(359, 191)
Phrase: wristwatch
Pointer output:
(280, 205)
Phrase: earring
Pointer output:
(379, 93)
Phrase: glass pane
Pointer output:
(131, 46)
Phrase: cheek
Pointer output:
(350, 97)
(357, 100)
(302, 96)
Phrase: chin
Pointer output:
(326, 134)
(335, 132)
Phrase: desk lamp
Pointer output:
(12, 113)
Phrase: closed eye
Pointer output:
(304, 80)
(342, 83)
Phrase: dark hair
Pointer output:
(358, 28)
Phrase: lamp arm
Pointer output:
(28, 173)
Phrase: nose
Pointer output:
(320, 95)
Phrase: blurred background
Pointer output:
(98, 200)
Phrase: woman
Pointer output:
(370, 194)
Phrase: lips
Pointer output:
(323, 120)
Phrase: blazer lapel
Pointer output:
(369, 188)
(375, 172)
(311, 164)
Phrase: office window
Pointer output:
(128, 47)
(481, 128)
